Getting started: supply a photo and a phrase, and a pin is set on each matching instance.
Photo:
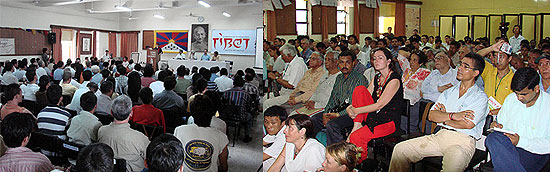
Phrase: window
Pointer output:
(341, 16)
(301, 17)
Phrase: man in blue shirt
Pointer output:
(460, 113)
(205, 56)
(543, 63)
(523, 112)
(306, 52)
(58, 72)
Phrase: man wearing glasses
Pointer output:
(497, 76)
(440, 79)
(543, 63)
(306, 52)
(460, 112)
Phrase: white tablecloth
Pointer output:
(174, 64)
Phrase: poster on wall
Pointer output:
(7, 46)
(199, 37)
(239, 42)
(171, 41)
(85, 44)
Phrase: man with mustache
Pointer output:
(334, 116)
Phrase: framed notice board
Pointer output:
(24, 42)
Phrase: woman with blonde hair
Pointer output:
(341, 157)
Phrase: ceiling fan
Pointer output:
(200, 19)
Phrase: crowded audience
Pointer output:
(389, 87)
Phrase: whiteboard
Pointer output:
(259, 62)
(7, 46)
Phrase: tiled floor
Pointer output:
(246, 157)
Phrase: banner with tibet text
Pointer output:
(238, 42)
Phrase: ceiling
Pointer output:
(108, 6)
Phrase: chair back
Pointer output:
(54, 144)
(105, 119)
(149, 130)
(425, 113)
(173, 119)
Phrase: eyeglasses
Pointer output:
(467, 66)
(544, 64)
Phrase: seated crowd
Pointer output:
(340, 95)
(105, 109)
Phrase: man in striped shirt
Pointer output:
(240, 98)
(16, 131)
(53, 119)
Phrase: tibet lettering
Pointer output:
(229, 42)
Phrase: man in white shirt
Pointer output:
(180, 56)
(460, 113)
(31, 87)
(525, 113)
(8, 77)
(106, 56)
(322, 93)
(223, 82)
(439, 80)
(274, 140)
(293, 73)
(75, 102)
(424, 42)
(41, 71)
(362, 57)
(515, 41)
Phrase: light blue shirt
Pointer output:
(436, 79)
(542, 87)
(474, 99)
(58, 74)
(205, 57)
(530, 123)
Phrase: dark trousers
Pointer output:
(337, 128)
(507, 157)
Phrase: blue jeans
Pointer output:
(507, 157)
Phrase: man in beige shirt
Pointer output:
(67, 87)
(84, 126)
(127, 143)
(305, 88)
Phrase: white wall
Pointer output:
(246, 17)
(19, 15)
(102, 43)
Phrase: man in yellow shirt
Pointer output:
(497, 76)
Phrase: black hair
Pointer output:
(165, 153)
(321, 45)
(15, 127)
(121, 70)
(162, 75)
(105, 73)
(479, 62)
(248, 77)
(106, 87)
(438, 41)
(11, 91)
(54, 93)
(137, 67)
(181, 70)
(525, 78)
(223, 71)
(8, 67)
(205, 73)
(30, 74)
(134, 85)
(200, 85)
(148, 71)
(422, 58)
(169, 83)
(96, 157)
(302, 121)
(353, 36)
(201, 110)
(456, 44)
(88, 101)
(43, 82)
(277, 111)
(348, 53)
(238, 82)
(146, 95)
(87, 75)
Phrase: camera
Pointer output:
(503, 29)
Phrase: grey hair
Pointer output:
(121, 107)
(288, 49)
(469, 47)
(40, 63)
(95, 69)
(163, 66)
(321, 56)
(335, 55)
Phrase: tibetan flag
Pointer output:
(171, 41)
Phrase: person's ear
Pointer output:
(302, 131)
(342, 167)
(537, 88)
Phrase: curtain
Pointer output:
(128, 44)
(78, 48)
(112, 43)
(94, 38)
(57, 46)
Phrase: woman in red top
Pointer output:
(146, 113)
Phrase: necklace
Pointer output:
(381, 85)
